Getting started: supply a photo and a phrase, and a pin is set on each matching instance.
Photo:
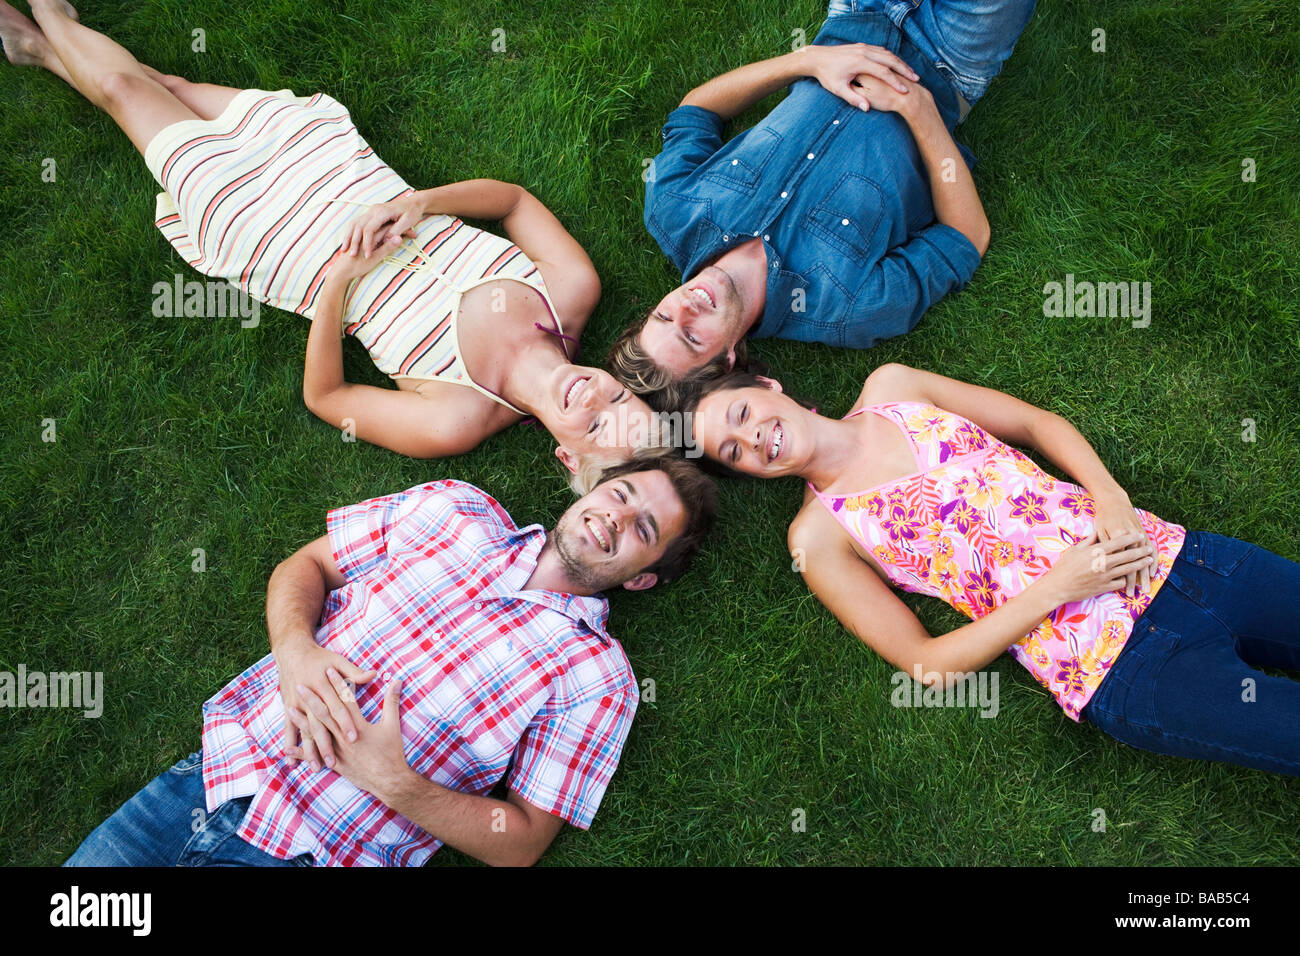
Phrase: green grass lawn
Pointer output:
(177, 434)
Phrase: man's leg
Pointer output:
(167, 824)
(973, 38)
(153, 827)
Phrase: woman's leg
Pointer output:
(107, 74)
(1184, 684)
(26, 45)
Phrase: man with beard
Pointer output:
(424, 651)
(843, 215)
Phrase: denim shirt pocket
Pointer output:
(847, 219)
(739, 165)
(813, 307)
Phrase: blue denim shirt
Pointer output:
(839, 197)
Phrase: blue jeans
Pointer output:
(167, 824)
(1185, 683)
(968, 40)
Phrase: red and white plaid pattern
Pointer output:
(495, 680)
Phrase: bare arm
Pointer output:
(1019, 423)
(865, 605)
(836, 68)
(401, 421)
(571, 278)
(295, 597)
(952, 188)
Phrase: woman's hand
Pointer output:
(862, 75)
(378, 223)
(1094, 567)
(1116, 518)
(350, 262)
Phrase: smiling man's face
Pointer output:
(610, 536)
(695, 323)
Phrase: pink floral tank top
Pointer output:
(977, 523)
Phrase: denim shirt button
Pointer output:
(767, 238)
(726, 238)
(735, 162)
(810, 155)
(835, 122)
(784, 194)
(844, 222)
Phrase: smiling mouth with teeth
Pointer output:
(568, 395)
(703, 296)
(600, 534)
(774, 446)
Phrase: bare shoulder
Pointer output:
(891, 382)
(813, 527)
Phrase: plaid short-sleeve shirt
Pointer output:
(497, 680)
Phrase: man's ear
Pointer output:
(731, 359)
(642, 582)
(771, 383)
(567, 458)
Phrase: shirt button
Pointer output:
(835, 122)
(783, 195)
(478, 605)
(726, 238)
(844, 222)
(735, 162)
(756, 234)
(810, 155)
(767, 238)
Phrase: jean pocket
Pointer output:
(1216, 553)
(188, 765)
(1128, 692)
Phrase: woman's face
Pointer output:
(590, 413)
(756, 431)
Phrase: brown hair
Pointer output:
(633, 366)
(698, 497)
(727, 383)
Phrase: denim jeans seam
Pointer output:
(1156, 730)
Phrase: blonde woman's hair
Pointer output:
(591, 466)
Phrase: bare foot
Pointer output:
(24, 43)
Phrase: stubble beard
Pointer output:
(576, 570)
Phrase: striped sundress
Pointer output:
(264, 195)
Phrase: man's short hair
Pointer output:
(633, 366)
(699, 498)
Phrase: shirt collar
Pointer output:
(593, 611)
